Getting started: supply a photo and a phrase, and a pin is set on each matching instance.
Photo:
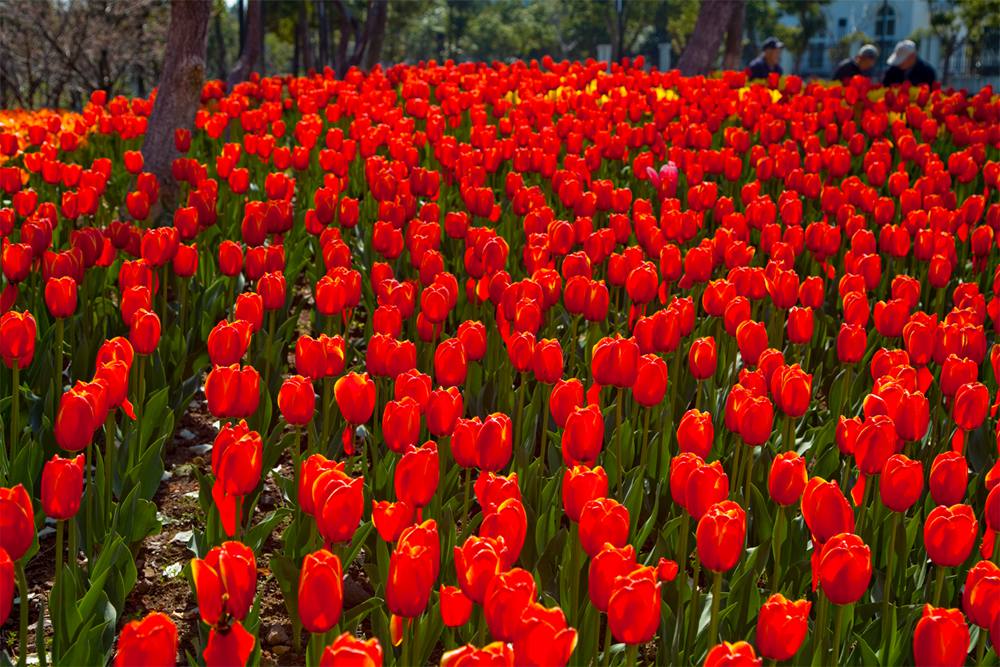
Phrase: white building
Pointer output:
(885, 22)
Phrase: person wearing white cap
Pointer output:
(859, 65)
(905, 65)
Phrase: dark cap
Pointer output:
(773, 43)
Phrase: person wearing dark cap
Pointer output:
(768, 60)
(906, 65)
(860, 65)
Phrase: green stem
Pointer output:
(22, 634)
(632, 655)
(57, 375)
(59, 549)
(73, 551)
(819, 629)
(838, 623)
(789, 441)
(938, 585)
(109, 460)
(776, 579)
(887, 586)
(645, 443)
(713, 628)
(981, 646)
(693, 612)
(682, 560)
(467, 484)
(606, 656)
(15, 409)
(88, 500)
(619, 477)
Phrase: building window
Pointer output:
(885, 21)
(841, 27)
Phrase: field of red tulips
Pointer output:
(528, 364)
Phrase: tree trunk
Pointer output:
(179, 90)
(241, 17)
(305, 44)
(253, 40)
(378, 16)
(702, 48)
(323, 26)
(733, 55)
(220, 47)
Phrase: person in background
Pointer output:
(905, 65)
(859, 65)
(768, 60)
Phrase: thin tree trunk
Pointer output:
(734, 39)
(242, 19)
(378, 16)
(702, 48)
(305, 44)
(179, 90)
(252, 51)
(220, 47)
(323, 26)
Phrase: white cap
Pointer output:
(903, 50)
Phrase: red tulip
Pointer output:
(17, 521)
(455, 607)
(401, 424)
(651, 381)
(950, 534)
(844, 568)
(62, 487)
(702, 358)
(721, 534)
(543, 638)
(444, 407)
(949, 478)
(150, 641)
(941, 638)
(782, 626)
(634, 607)
(17, 338)
(232, 391)
(792, 390)
(477, 561)
(695, 433)
(738, 654)
(413, 570)
(60, 296)
(225, 582)
(901, 483)
(416, 474)
(450, 363)
(508, 594)
(228, 342)
(981, 596)
(826, 510)
(355, 395)
(970, 405)
(494, 445)
(580, 485)
(321, 591)
(6, 585)
(229, 646)
(787, 478)
(497, 654)
(603, 521)
(349, 650)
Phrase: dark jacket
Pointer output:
(848, 69)
(759, 69)
(921, 73)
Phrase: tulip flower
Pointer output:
(825, 510)
(702, 358)
(321, 591)
(17, 521)
(450, 363)
(477, 561)
(941, 638)
(950, 534)
(844, 569)
(348, 649)
(728, 655)
(782, 626)
(634, 606)
(787, 478)
(6, 585)
(416, 474)
(901, 483)
(413, 570)
(150, 641)
(695, 433)
(60, 296)
(228, 646)
(981, 596)
(232, 391)
(949, 478)
(603, 521)
(456, 608)
(721, 533)
(225, 582)
(444, 407)
(583, 436)
(62, 487)
(297, 400)
(497, 653)
(401, 424)
(580, 485)
(508, 594)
